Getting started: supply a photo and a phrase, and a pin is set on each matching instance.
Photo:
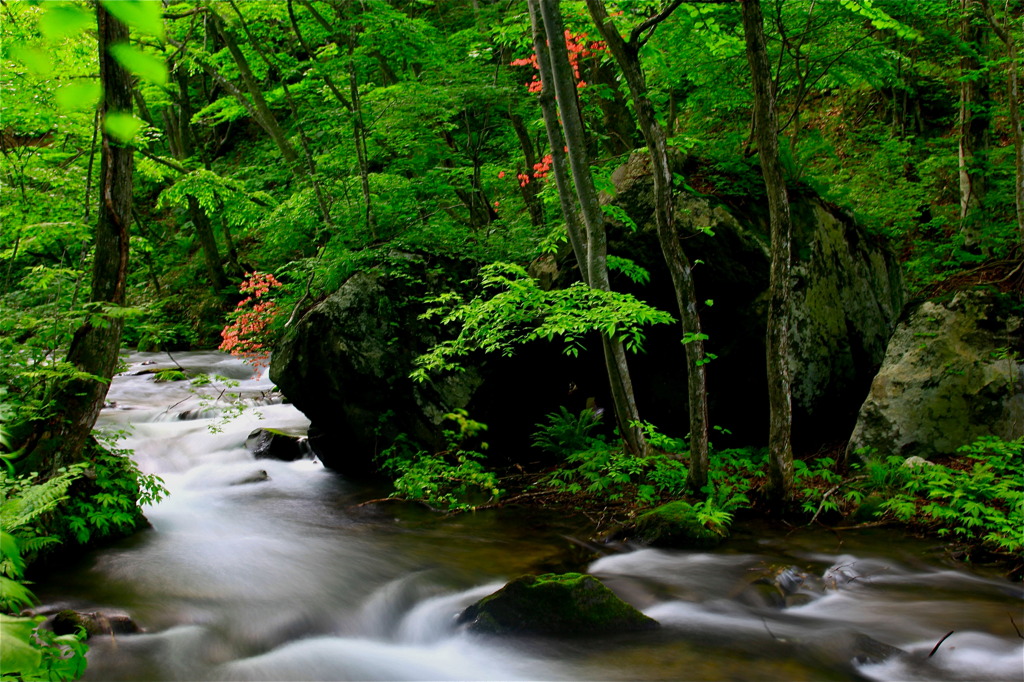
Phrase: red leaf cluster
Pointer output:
(246, 335)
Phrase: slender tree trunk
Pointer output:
(780, 459)
(559, 164)
(355, 106)
(626, 412)
(627, 55)
(94, 348)
(208, 244)
(1005, 31)
(974, 122)
(183, 148)
(359, 137)
(529, 190)
(307, 153)
(258, 105)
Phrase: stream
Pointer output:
(287, 579)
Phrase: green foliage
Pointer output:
(110, 504)
(28, 652)
(455, 479)
(982, 504)
(517, 311)
(811, 482)
(595, 467)
(564, 433)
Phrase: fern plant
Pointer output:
(566, 433)
(28, 652)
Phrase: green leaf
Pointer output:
(122, 125)
(145, 66)
(37, 61)
(81, 96)
(145, 16)
(17, 655)
(61, 21)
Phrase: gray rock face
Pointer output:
(847, 295)
(954, 371)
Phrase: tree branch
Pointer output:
(652, 22)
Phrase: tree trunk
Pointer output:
(307, 153)
(61, 441)
(530, 190)
(766, 131)
(258, 106)
(208, 243)
(627, 55)
(559, 163)
(626, 412)
(974, 122)
(1005, 31)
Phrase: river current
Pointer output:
(284, 577)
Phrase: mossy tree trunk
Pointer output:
(60, 440)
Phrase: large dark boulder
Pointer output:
(954, 371)
(554, 604)
(346, 366)
(847, 296)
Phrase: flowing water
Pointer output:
(287, 579)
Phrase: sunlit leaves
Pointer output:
(122, 125)
(879, 19)
(61, 21)
(145, 16)
(79, 96)
(147, 67)
(517, 311)
(37, 61)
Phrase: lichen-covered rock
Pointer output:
(675, 525)
(554, 604)
(954, 371)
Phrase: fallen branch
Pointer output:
(831, 492)
(939, 643)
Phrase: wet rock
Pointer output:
(255, 477)
(107, 622)
(954, 371)
(869, 650)
(276, 444)
(554, 604)
(782, 587)
(673, 525)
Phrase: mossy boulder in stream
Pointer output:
(675, 524)
(554, 604)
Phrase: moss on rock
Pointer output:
(554, 604)
(676, 524)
